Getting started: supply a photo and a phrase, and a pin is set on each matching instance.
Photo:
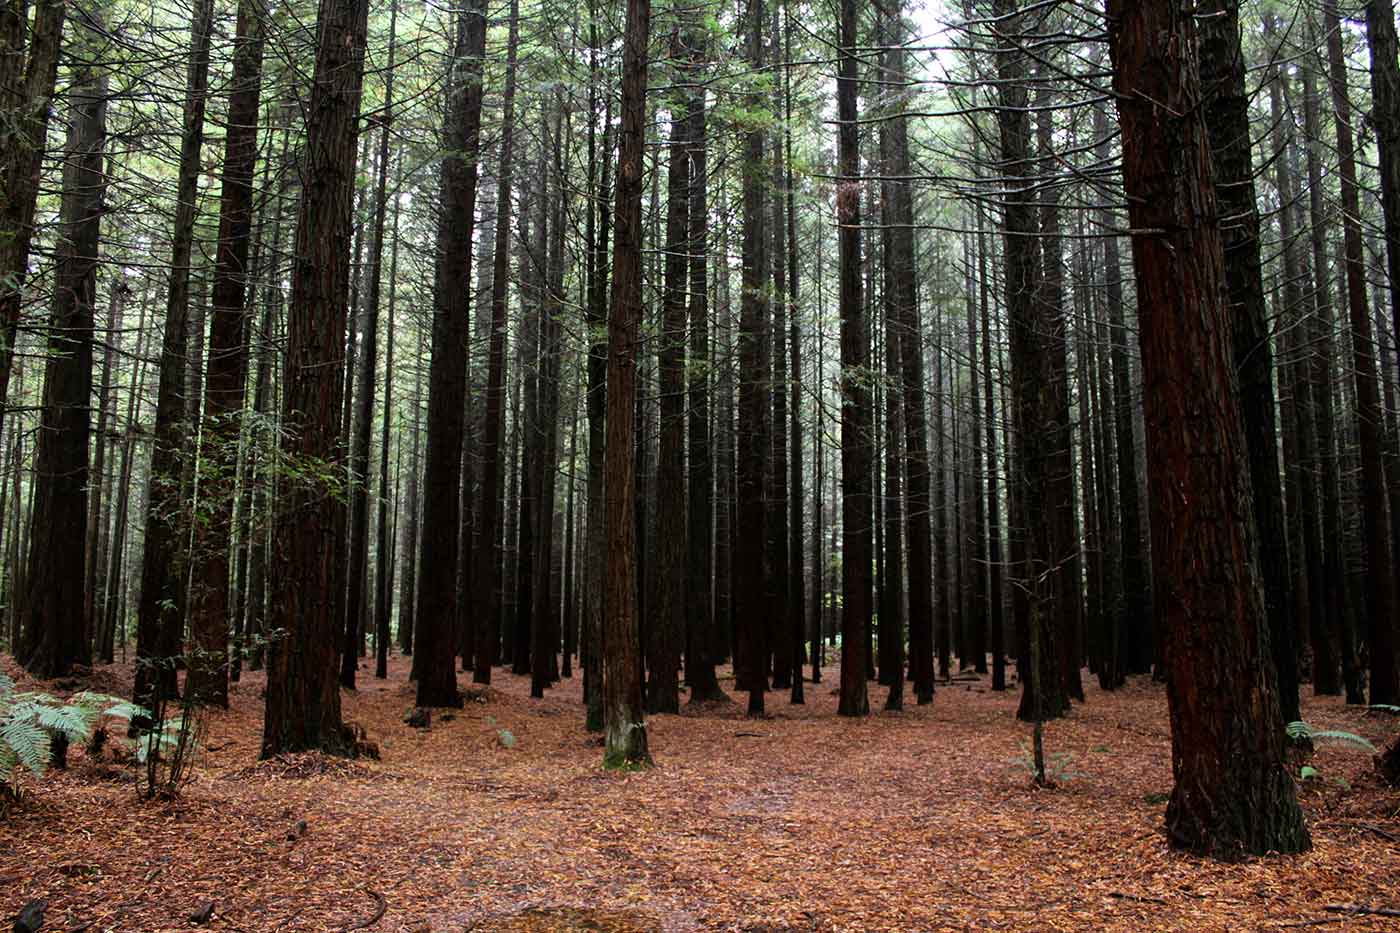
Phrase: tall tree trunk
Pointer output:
(1227, 123)
(667, 620)
(856, 492)
(435, 642)
(797, 614)
(383, 548)
(595, 551)
(486, 575)
(625, 735)
(22, 156)
(1375, 505)
(359, 576)
(1385, 117)
(752, 448)
(700, 619)
(227, 378)
(159, 623)
(56, 636)
(1331, 595)
(303, 697)
(1232, 794)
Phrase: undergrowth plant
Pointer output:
(30, 721)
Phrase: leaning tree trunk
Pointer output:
(56, 636)
(303, 696)
(1227, 123)
(624, 732)
(1232, 794)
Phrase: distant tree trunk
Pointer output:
(1034, 399)
(408, 575)
(303, 696)
(1232, 794)
(797, 614)
(625, 736)
(595, 548)
(700, 621)
(1227, 122)
(779, 653)
(856, 492)
(1370, 422)
(752, 448)
(997, 609)
(22, 155)
(383, 548)
(486, 575)
(359, 575)
(1329, 623)
(56, 636)
(225, 385)
(435, 642)
(159, 622)
(95, 548)
(667, 620)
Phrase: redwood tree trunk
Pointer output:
(435, 642)
(303, 696)
(56, 637)
(1232, 793)
(624, 731)
(856, 413)
(224, 386)
(159, 623)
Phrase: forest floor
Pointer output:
(921, 820)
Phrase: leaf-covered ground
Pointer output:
(921, 820)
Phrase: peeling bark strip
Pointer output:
(1232, 794)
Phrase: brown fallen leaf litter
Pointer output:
(920, 820)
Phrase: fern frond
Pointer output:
(76, 722)
(7, 684)
(29, 743)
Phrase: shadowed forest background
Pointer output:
(779, 465)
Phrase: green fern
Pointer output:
(1303, 730)
(30, 720)
(27, 742)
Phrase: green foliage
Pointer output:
(30, 720)
(1059, 766)
(503, 735)
(1302, 730)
